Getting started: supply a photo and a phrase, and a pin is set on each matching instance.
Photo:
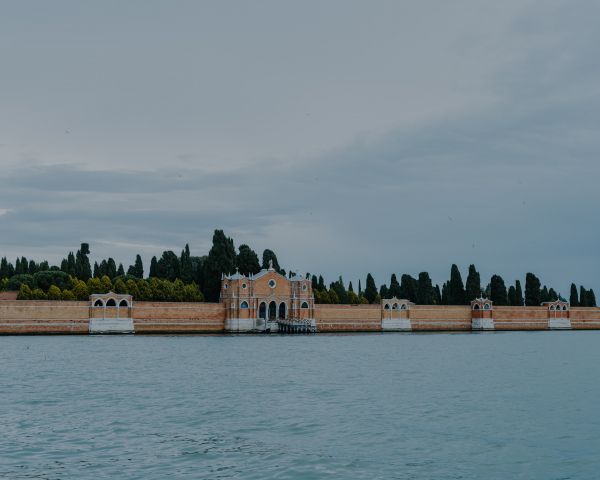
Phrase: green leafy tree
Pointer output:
(25, 292)
(68, 296)
(38, 294)
(54, 293)
(81, 290)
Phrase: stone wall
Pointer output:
(585, 318)
(440, 317)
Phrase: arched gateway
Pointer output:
(269, 298)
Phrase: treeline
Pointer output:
(421, 290)
(172, 276)
(65, 287)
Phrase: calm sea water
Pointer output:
(406, 406)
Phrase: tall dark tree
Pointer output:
(269, 256)
(512, 296)
(111, 268)
(186, 270)
(519, 293)
(532, 290)
(350, 288)
(473, 285)
(120, 270)
(97, 270)
(425, 293)
(552, 295)
(394, 290)
(247, 260)
(168, 266)
(321, 285)
(340, 290)
(314, 281)
(456, 289)
(370, 289)
(221, 260)
(153, 268)
(583, 300)
(384, 291)
(438, 295)
(83, 269)
(591, 298)
(498, 293)
(137, 269)
(574, 297)
(408, 288)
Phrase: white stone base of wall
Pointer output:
(482, 324)
(273, 326)
(396, 325)
(559, 323)
(111, 325)
(239, 324)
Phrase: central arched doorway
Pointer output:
(282, 311)
(272, 311)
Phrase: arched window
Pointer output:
(487, 306)
(272, 311)
(282, 310)
(564, 307)
(262, 311)
(552, 307)
(476, 306)
(244, 304)
(403, 306)
(111, 302)
(395, 306)
(387, 306)
(304, 305)
(124, 303)
(99, 303)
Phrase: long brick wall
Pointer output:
(348, 318)
(50, 317)
(166, 317)
(41, 316)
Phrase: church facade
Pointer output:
(264, 301)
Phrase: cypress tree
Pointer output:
(269, 255)
(83, 270)
(96, 270)
(425, 294)
(4, 268)
(394, 290)
(111, 268)
(153, 267)
(519, 293)
(350, 288)
(359, 288)
(186, 273)
(445, 300)
(544, 295)
(120, 271)
(247, 260)
(552, 295)
(137, 269)
(314, 283)
(321, 285)
(473, 285)
(583, 300)
(408, 288)
(438, 295)
(221, 260)
(591, 298)
(370, 289)
(456, 289)
(512, 296)
(574, 298)
(498, 290)
(383, 291)
(532, 290)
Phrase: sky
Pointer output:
(348, 136)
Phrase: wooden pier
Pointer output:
(298, 326)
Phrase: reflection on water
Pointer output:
(408, 406)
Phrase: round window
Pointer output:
(272, 283)
(304, 287)
(244, 286)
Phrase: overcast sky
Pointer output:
(349, 137)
